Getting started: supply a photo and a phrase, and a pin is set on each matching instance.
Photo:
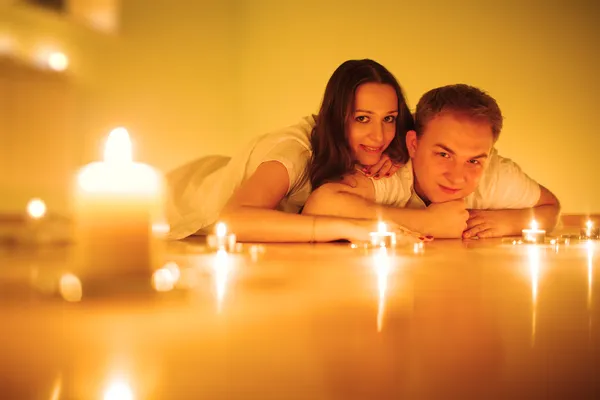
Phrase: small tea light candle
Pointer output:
(221, 240)
(590, 231)
(383, 238)
(534, 234)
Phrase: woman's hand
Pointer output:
(384, 168)
(359, 230)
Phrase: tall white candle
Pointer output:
(116, 203)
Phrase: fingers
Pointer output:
(475, 230)
(474, 221)
(399, 229)
(393, 169)
(380, 169)
(488, 233)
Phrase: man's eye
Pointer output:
(474, 162)
(443, 154)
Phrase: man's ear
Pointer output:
(411, 143)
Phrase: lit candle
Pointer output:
(590, 232)
(116, 203)
(221, 240)
(383, 238)
(534, 235)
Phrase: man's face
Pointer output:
(449, 157)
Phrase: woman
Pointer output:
(362, 123)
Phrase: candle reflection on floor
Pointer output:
(382, 264)
(533, 252)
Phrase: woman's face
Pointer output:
(371, 125)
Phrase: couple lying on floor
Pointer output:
(362, 159)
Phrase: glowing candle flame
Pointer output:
(58, 61)
(118, 147)
(36, 208)
(381, 227)
(221, 229)
(534, 225)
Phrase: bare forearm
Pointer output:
(252, 224)
(342, 204)
(546, 217)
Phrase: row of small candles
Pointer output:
(536, 235)
(118, 207)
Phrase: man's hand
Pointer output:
(489, 223)
(447, 220)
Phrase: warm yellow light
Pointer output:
(58, 61)
(534, 225)
(118, 390)
(221, 229)
(36, 208)
(381, 261)
(163, 280)
(118, 147)
(589, 224)
(381, 227)
(70, 288)
(6, 43)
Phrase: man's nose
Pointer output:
(456, 174)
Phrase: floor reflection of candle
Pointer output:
(534, 270)
(222, 266)
(590, 271)
(382, 269)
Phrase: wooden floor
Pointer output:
(480, 319)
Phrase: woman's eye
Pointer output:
(390, 118)
(362, 118)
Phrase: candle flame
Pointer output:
(58, 61)
(118, 147)
(381, 227)
(534, 225)
(36, 208)
(221, 229)
(589, 224)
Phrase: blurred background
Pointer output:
(189, 78)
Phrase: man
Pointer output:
(455, 184)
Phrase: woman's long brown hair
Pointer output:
(332, 157)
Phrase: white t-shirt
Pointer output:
(198, 191)
(503, 185)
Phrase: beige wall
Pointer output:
(190, 78)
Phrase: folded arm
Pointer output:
(354, 197)
(495, 223)
(251, 213)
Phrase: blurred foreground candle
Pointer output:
(117, 201)
(590, 231)
(534, 234)
(383, 238)
(221, 240)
